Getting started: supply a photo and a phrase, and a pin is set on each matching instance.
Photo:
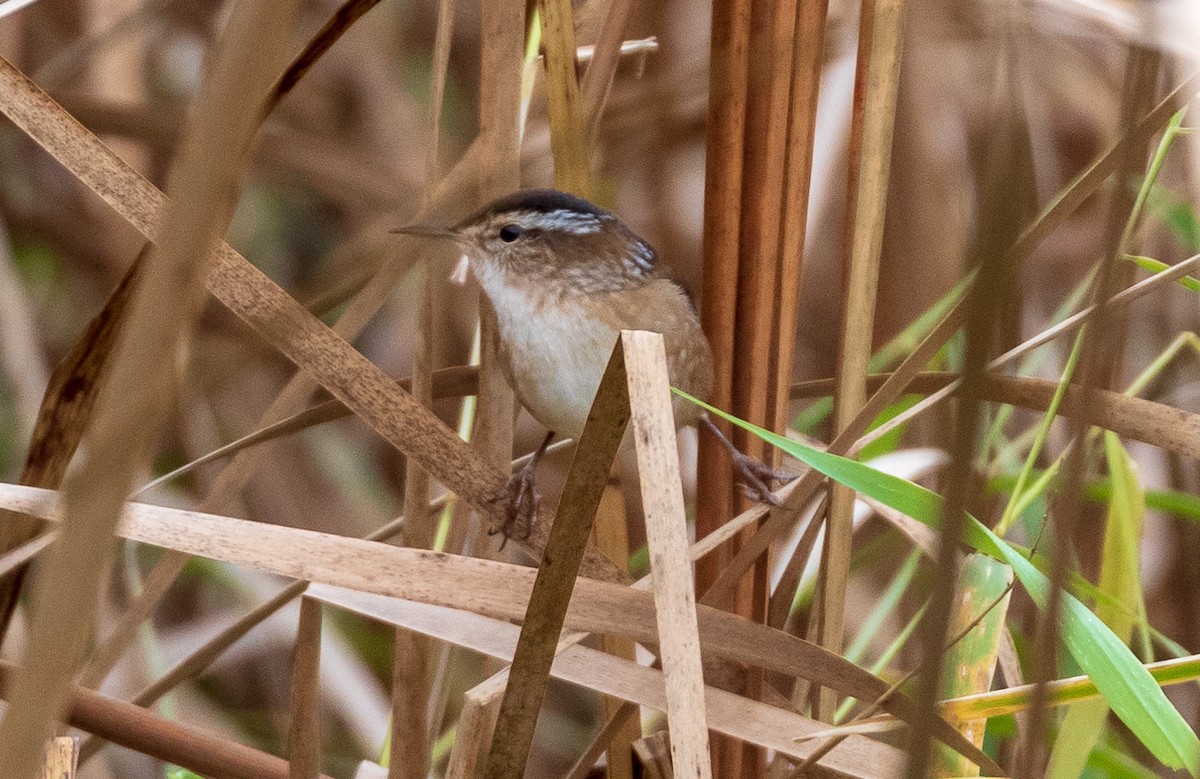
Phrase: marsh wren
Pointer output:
(564, 277)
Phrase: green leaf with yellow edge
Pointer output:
(1124, 682)
(977, 620)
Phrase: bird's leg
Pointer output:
(521, 498)
(756, 476)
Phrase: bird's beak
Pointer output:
(459, 275)
(429, 231)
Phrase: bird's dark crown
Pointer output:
(538, 201)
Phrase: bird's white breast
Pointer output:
(557, 352)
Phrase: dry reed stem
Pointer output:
(498, 173)
(617, 720)
(146, 732)
(410, 701)
(195, 663)
(1158, 424)
(454, 382)
(597, 80)
(807, 64)
(62, 758)
(557, 572)
(772, 25)
(304, 738)
(13, 562)
(742, 718)
(611, 528)
(654, 752)
(485, 587)
(334, 28)
(649, 399)
(437, 90)
(785, 591)
(728, 74)
(568, 133)
(411, 682)
(767, 112)
(1068, 325)
(876, 82)
(111, 648)
(204, 180)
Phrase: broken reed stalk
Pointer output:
(62, 758)
(304, 737)
(649, 399)
(476, 722)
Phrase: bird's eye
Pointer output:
(510, 233)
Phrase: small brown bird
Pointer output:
(565, 277)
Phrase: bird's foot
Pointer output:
(757, 477)
(520, 500)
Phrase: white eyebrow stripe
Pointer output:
(563, 220)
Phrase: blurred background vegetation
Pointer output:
(343, 159)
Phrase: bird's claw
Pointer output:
(757, 477)
(521, 500)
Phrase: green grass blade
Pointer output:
(1120, 579)
(1155, 266)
